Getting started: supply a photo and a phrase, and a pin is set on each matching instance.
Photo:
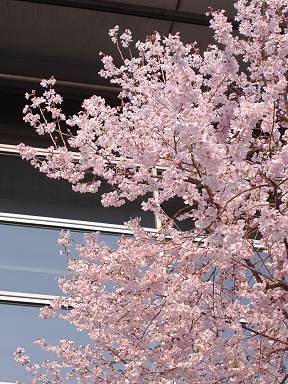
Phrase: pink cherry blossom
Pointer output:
(206, 305)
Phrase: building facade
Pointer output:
(40, 39)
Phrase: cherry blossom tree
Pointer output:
(206, 305)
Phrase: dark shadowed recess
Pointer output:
(24, 190)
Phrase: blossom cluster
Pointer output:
(205, 305)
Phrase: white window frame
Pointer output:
(80, 225)
(40, 300)
(26, 298)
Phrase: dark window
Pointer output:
(24, 190)
(174, 208)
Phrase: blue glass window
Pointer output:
(30, 259)
(19, 327)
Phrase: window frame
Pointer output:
(80, 225)
(39, 300)
(32, 299)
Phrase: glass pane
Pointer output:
(176, 206)
(260, 260)
(19, 326)
(24, 190)
(30, 260)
